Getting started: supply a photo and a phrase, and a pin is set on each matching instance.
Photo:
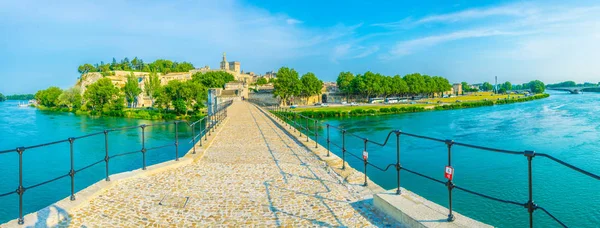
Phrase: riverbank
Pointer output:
(143, 114)
(345, 111)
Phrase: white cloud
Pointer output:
(409, 46)
(292, 21)
(510, 10)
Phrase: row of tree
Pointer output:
(20, 97)
(572, 84)
(160, 65)
(288, 85)
(2, 97)
(103, 96)
(535, 86)
(371, 84)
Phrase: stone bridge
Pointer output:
(576, 90)
(253, 171)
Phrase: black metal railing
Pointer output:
(205, 125)
(295, 120)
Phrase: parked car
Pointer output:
(293, 106)
(324, 105)
(353, 104)
(317, 104)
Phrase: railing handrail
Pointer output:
(210, 123)
(284, 113)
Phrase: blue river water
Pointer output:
(28, 127)
(565, 126)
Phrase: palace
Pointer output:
(235, 89)
(234, 68)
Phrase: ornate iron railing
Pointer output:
(296, 121)
(205, 125)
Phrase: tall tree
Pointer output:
(486, 86)
(311, 85)
(536, 86)
(344, 83)
(287, 85)
(48, 97)
(71, 98)
(152, 86)
(415, 82)
(399, 86)
(86, 68)
(2, 97)
(131, 89)
(102, 95)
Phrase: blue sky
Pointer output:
(42, 42)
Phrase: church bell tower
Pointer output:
(224, 63)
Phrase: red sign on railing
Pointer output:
(365, 155)
(449, 172)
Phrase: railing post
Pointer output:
(449, 184)
(205, 127)
(288, 114)
(316, 135)
(177, 141)
(194, 138)
(365, 158)
(200, 131)
(143, 126)
(72, 172)
(21, 189)
(296, 124)
(398, 167)
(209, 123)
(343, 149)
(530, 205)
(307, 129)
(106, 157)
(328, 148)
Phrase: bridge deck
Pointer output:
(254, 174)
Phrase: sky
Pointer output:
(43, 42)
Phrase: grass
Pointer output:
(469, 101)
(479, 96)
(347, 108)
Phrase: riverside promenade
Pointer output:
(252, 173)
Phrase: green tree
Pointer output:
(183, 95)
(287, 85)
(71, 98)
(48, 97)
(102, 95)
(152, 86)
(344, 83)
(2, 97)
(213, 79)
(507, 86)
(486, 86)
(399, 86)
(261, 81)
(311, 85)
(86, 68)
(416, 83)
(536, 86)
(20, 97)
(131, 89)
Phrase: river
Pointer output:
(565, 126)
(26, 126)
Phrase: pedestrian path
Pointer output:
(253, 174)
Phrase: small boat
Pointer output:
(23, 104)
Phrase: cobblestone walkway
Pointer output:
(254, 174)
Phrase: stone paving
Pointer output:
(254, 174)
